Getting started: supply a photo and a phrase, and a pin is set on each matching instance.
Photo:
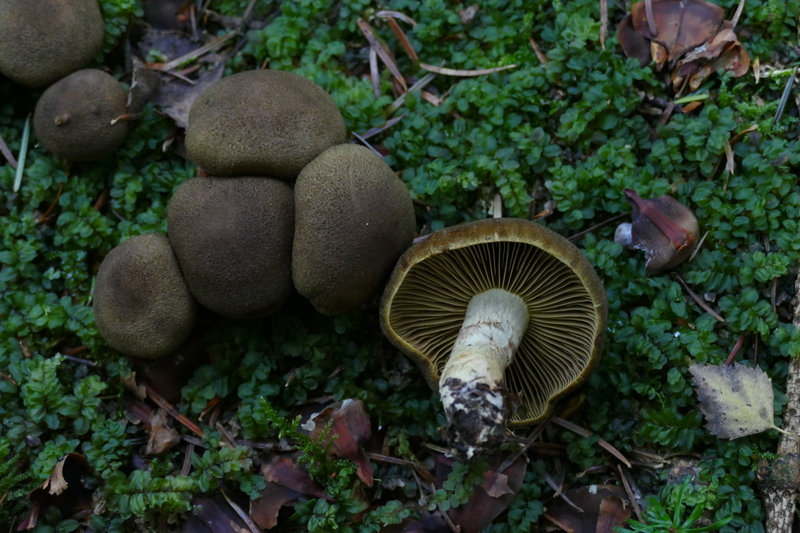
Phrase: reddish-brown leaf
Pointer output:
(349, 420)
(286, 483)
(633, 44)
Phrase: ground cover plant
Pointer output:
(561, 134)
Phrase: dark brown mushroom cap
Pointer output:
(141, 303)
(233, 240)
(354, 217)
(426, 298)
(44, 40)
(73, 116)
(262, 123)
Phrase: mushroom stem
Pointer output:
(471, 386)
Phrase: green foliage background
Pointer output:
(573, 127)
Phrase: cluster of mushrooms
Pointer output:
(287, 204)
(502, 316)
(45, 44)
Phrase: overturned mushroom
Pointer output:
(495, 307)
(665, 229)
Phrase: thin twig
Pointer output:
(389, 123)
(383, 54)
(7, 153)
(187, 459)
(699, 245)
(623, 471)
(194, 54)
(421, 84)
(598, 226)
(52, 205)
(787, 91)
(172, 411)
(735, 19)
(23, 152)
(401, 36)
(74, 359)
(603, 23)
(538, 51)
(528, 443)
(250, 525)
(7, 378)
(735, 351)
(365, 143)
(586, 433)
(699, 301)
(453, 527)
(463, 73)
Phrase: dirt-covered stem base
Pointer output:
(471, 385)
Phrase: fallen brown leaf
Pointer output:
(286, 483)
(213, 515)
(162, 436)
(177, 96)
(349, 420)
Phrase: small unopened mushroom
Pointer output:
(354, 217)
(74, 117)
(664, 228)
(233, 240)
(44, 40)
(141, 303)
(262, 123)
(495, 308)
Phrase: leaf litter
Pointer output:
(736, 400)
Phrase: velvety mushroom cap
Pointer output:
(73, 116)
(426, 298)
(354, 217)
(44, 40)
(141, 303)
(262, 123)
(233, 240)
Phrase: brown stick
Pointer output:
(780, 499)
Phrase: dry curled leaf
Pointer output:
(63, 489)
(162, 435)
(736, 400)
(689, 37)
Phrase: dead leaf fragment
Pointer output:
(350, 421)
(496, 484)
(604, 508)
(162, 435)
(286, 483)
(213, 515)
(176, 96)
(63, 489)
(736, 400)
(468, 13)
(689, 37)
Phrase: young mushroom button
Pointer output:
(495, 308)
